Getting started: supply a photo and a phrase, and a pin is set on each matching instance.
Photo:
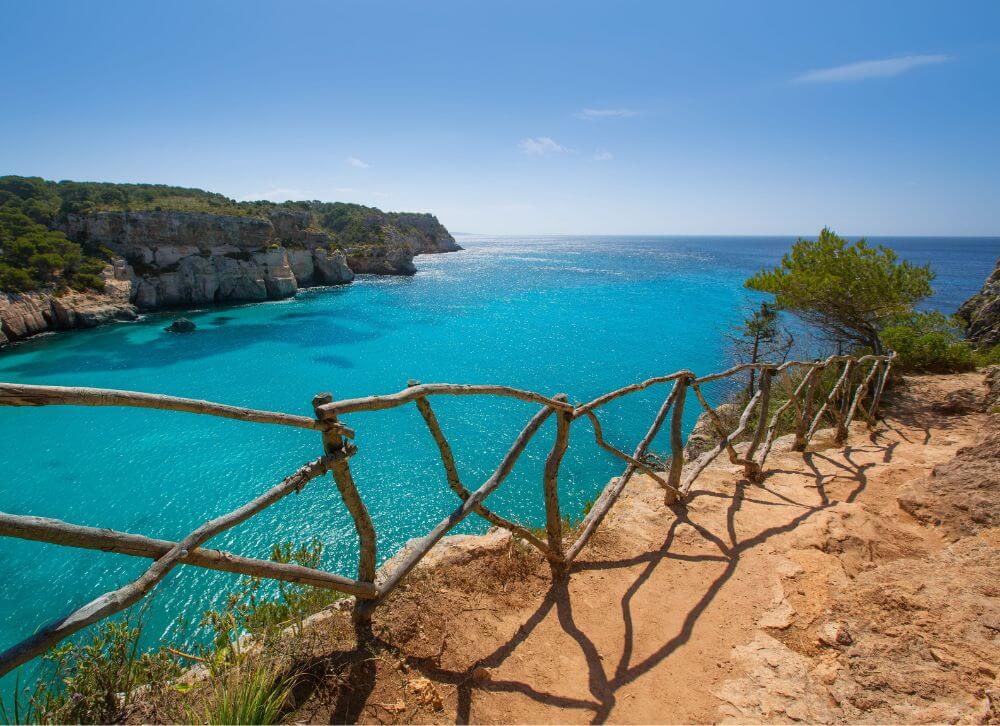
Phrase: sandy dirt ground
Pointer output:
(854, 584)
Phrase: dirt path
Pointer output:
(813, 596)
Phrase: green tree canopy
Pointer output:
(850, 292)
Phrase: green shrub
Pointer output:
(849, 292)
(245, 695)
(987, 356)
(92, 681)
(32, 256)
(929, 343)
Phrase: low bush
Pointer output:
(929, 343)
(105, 676)
(245, 695)
(92, 680)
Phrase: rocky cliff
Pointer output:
(982, 311)
(174, 259)
(30, 313)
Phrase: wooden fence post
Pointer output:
(751, 470)
(676, 443)
(806, 414)
(883, 380)
(845, 402)
(553, 517)
(334, 445)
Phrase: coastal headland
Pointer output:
(150, 247)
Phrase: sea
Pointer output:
(575, 315)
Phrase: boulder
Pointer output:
(982, 312)
(704, 434)
(331, 267)
(181, 325)
(992, 387)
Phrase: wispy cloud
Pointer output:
(864, 70)
(603, 155)
(541, 145)
(592, 114)
(356, 162)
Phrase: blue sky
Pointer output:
(535, 117)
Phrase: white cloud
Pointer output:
(603, 155)
(864, 70)
(541, 145)
(592, 114)
(356, 162)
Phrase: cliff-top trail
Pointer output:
(852, 585)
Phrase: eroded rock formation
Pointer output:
(25, 314)
(982, 311)
(171, 259)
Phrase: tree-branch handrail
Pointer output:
(372, 587)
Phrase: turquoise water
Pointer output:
(574, 315)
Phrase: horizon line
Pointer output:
(721, 234)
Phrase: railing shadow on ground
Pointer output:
(603, 686)
(856, 393)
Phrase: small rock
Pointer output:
(181, 325)
(481, 675)
(425, 692)
(834, 634)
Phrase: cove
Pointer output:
(578, 315)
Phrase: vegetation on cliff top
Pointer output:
(32, 255)
(849, 292)
(864, 298)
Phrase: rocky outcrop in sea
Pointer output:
(170, 259)
(982, 311)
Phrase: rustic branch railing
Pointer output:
(842, 404)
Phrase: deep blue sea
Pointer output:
(580, 315)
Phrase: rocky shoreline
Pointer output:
(162, 260)
(981, 312)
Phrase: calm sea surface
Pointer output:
(556, 314)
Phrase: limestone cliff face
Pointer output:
(171, 259)
(182, 258)
(982, 311)
(25, 314)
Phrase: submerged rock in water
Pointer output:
(181, 325)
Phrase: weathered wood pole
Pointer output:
(751, 470)
(705, 459)
(455, 483)
(615, 451)
(336, 447)
(859, 396)
(883, 380)
(609, 495)
(827, 404)
(117, 600)
(54, 531)
(720, 427)
(772, 429)
(805, 415)
(553, 517)
(845, 402)
(425, 543)
(676, 443)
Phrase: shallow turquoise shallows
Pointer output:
(574, 315)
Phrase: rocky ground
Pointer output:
(855, 584)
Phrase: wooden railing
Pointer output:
(851, 395)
